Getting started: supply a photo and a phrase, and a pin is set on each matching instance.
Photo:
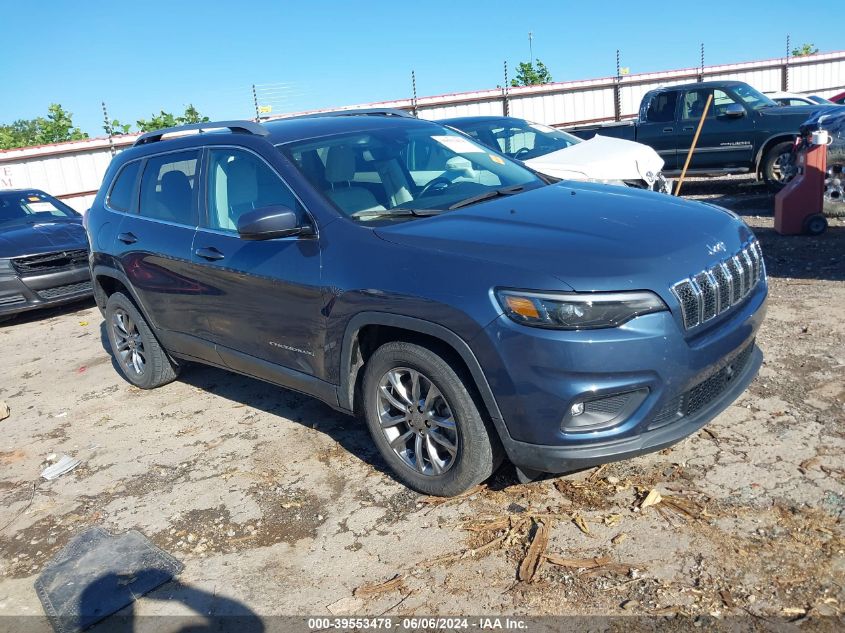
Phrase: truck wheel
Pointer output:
(141, 358)
(815, 224)
(424, 421)
(777, 166)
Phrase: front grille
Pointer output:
(711, 292)
(705, 392)
(64, 291)
(50, 262)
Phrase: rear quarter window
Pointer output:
(123, 190)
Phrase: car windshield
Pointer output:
(752, 98)
(820, 100)
(31, 207)
(518, 138)
(401, 172)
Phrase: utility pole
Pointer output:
(531, 47)
(255, 102)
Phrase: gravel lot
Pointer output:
(278, 505)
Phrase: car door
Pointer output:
(266, 300)
(657, 127)
(726, 141)
(153, 242)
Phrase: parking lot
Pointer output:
(244, 481)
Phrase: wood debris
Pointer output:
(377, 588)
(652, 499)
(598, 566)
(534, 556)
(578, 520)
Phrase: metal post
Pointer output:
(531, 47)
(617, 90)
(108, 127)
(414, 97)
(784, 75)
(506, 107)
(701, 65)
(255, 102)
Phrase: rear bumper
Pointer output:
(558, 459)
(21, 294)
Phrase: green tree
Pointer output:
(804, 50)
(527, 74)
(166, 119)
(56, 127)
(116, 127)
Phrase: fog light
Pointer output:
(604, 411)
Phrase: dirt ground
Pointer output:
(278, 505)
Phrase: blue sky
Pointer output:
(143, 56)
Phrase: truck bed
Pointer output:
(622, 129)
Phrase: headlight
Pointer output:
(577, 311)
(5, 265)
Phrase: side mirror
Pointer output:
(268, 223)
(734, 111)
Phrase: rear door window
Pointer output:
(169, 188)
(661, 108)
(122, 191)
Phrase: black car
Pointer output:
(43, 252)
(744, 130)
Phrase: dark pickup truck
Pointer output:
(744, 132)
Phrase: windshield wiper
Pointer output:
(487, 195)
(396, 212)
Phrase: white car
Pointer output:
(795, 99)
(561, 155)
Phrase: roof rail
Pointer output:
(357, 112)
(238, 127)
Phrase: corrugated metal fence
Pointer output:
(73, 171)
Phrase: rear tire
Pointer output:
(425, 422)
(141, 358)
(775, 163)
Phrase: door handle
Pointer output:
(668, 129)
(688, 129)
(127, 238)
(210, 253)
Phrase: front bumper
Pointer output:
(24, 293)
(688, 380)
(559, 459)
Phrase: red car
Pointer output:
(840, 98)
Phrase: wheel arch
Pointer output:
(367, 330)
(107, 281)
(767, 145)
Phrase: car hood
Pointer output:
(801, 113)
(45, 237)
(601, 158)
(590, 236)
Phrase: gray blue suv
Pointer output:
(466, 308)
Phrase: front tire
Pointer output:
(776, 166)
(142, 360)
(425, 422)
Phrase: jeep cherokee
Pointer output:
(394, 268)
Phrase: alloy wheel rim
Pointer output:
(417, 421)
(128, 342)
(778, 170)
